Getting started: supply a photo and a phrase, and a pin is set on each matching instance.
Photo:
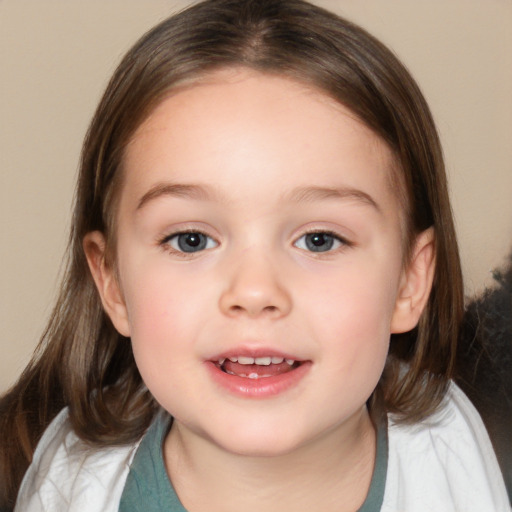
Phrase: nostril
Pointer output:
(252, 311)
(244, 300)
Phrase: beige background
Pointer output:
(55, 59)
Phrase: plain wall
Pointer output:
(56, 57)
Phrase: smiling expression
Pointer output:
(259, 261)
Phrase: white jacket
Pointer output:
(443, 464)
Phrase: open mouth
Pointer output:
(257, 367)
(257, 376)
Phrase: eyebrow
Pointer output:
(187, 191)
(309, 194)
(299, 195)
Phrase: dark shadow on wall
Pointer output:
(484, 368)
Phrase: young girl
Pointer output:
(263, 294)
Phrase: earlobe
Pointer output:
(416, 284)
(106, 281)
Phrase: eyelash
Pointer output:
(343, 242)
(335, 237)
(165, 242)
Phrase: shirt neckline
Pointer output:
(149, 489)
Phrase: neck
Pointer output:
(330, 473)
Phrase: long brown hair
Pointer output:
(82, 362)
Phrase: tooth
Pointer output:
(253, 375)
(277, 360)
(290, 362)
(245, 360)
(233, 359)
(221, 361)
(265, 361)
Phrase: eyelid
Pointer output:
(187, 227)
(183, 231)
(326, 231)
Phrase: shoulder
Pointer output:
(444, 463)
(69, 475)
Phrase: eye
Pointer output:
(190, 241)
(319, 242)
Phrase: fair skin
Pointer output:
(293, 251)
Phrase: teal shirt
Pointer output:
(148, 488)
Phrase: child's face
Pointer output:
(291, 249)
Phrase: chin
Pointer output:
(260, 448)
(258, 442)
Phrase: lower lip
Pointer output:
(264, 387)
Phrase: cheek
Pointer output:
(355, 299)
(162, 310)
(351, 320)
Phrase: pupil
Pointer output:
(318, 239)
(191, 242)
(193, 239)
(319, 242)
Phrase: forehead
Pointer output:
(235, 124)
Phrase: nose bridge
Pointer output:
(255, 286)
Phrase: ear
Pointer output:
(415, 284)
(106, 281)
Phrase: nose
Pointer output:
(255, 289)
